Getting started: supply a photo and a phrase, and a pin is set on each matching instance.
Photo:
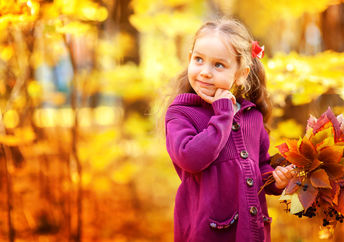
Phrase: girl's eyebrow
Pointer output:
(217, 58)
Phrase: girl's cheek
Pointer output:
(191, 71)
(193, 68)
(226, 84)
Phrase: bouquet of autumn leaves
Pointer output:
(318, 187)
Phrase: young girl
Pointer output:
(216, 139)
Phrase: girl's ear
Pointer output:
(241, 75)
(190, 54)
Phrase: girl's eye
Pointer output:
(198, 59)
(219, 65)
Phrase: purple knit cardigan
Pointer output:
(220, 158)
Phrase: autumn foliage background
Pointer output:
(80, 88)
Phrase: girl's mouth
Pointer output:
(205, 83)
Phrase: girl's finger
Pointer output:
(223, 93)
(290, 167)
(286, 172)
(292, 170)
(282, 176)
(277, 179)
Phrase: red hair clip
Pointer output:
(257, 51)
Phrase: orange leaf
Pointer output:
(319, 179)
(315, 164)
(297, 159)
(331, 154)
(335, 192)
(278, 160)
(326, 195)
(292, 145)
(307, 197)
(307, 149)
(292, 186)
(340, 206)
(282, 148)
(334, 171)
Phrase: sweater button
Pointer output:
(253, 211)
(243, 154)
(235, 126)
(249, 182)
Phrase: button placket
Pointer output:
(246, 162)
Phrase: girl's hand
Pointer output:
(219, 93)
(283, 175)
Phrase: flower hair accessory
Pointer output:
(257, 51)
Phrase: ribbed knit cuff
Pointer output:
(223, 105)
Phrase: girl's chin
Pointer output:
(207, 92)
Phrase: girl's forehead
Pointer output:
(216, 41)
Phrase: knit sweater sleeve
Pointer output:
(264, 163)
(194, 151)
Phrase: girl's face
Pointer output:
(212, 65)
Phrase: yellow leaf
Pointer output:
(329, 141)
(285, 196)
(320, 137)
(295, 205)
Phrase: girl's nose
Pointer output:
(206, 72)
